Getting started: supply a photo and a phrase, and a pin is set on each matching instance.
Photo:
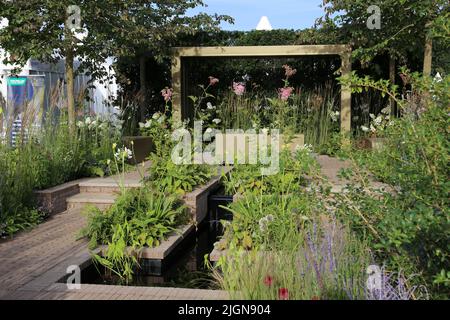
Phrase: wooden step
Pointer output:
(106, 187)
(99, 200)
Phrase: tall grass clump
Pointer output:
(45, 153)
(319, 260)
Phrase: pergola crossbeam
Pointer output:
(344, 51)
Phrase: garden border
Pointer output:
(179, 74)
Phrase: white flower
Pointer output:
(161, 119)
(128, 153)
(364, 128)
(372, 116)
(123, 154)
(438, 77)
(372, 128)
(88, 120)
(377, 120)
(335, 116)
(141, 125)
(386, 110)
(80, 124)
(208, 134)
(156, 116)
(305, 147)
(217, 121)
(209, 106)
(263, 224)
(148, 124)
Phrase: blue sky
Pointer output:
(283, 14)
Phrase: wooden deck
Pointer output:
(33, 262)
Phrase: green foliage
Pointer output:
(164, 174)
(309, 112)
(267, 221)
(47, 157)
(149, 217)
(403, 23)
(291, 177)
(168, 177)
(102, 29)
(409, 226)
(138, 218)
(317, 259)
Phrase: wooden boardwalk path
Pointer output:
(32, 263)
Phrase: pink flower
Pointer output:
(283, 294)
(285, 93)
(167, 94)
(213, 81)
(289, 72)
(268, 281)
(239, 88)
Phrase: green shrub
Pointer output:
(164, 174)
(46, 157)
(409, 227)
(267, 221)
(291, 178)
(150, 215)
(138, 218)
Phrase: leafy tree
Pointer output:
(92, 31)
(403, 22)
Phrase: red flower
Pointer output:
(268, 281)
(283, 294)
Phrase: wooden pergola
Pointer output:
(179, 74)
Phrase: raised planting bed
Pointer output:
(197, 200)
(153, 260)
(54, 200)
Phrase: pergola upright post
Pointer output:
(346, 93)
(176, 86)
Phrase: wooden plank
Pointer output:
(346, 94)
(261, 51)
